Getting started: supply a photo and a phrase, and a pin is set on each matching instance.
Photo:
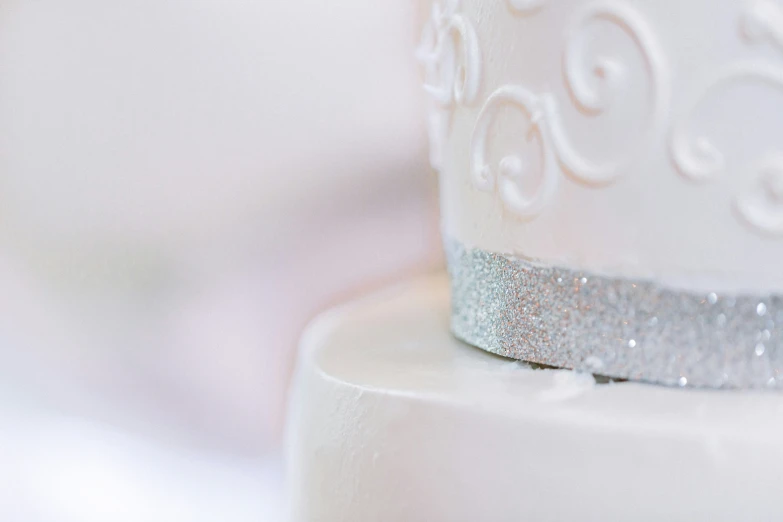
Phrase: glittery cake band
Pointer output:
(614, 327)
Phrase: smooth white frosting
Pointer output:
(635, 138)
(392, 419)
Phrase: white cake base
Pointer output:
(393, 420)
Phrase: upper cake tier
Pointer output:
(640, 139)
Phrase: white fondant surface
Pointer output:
(626, 137)
(392, 419)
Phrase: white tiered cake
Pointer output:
(612, 200)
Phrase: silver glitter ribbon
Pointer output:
(616, 327)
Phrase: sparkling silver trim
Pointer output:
(619, 328)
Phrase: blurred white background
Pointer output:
(183, 184)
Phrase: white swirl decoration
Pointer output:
(698, 159)
(451, 56)
(512, 167)
(761, 206)
(763, 21)
(609, 76)
(594, 93)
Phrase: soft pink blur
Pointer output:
(183, 184)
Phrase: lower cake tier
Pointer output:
(392, 419)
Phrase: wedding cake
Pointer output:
(611, 177)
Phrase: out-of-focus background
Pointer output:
(183, 185)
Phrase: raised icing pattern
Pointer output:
(595, 84)
(593, 95)
(697, 158)
(763, 21)
(761, 205)
(513, 167)
(609, 75)
(451, 57)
